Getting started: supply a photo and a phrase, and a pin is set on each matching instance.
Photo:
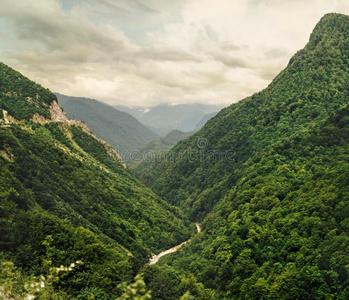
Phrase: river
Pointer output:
(155, 258)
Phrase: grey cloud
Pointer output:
(57, 31)
(44, 65)
(276, 53)
(113, 6)
(191, 54)
(211, 81)
(269, 73)
(228, 60)
(226, 46)
(190, 81)
(163, 54)
(211, 33)
(144, 7)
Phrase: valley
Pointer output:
(156, 258)
(270, 221)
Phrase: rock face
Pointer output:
(57, 113)
(38, 118)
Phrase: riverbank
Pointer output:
(155, 258)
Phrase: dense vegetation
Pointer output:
(21, 97)
(282, 231)
(273, 200)
(114, 201)
(121, 130)
(267, 178)
(313, 86)
(66, 197)
(155, 150)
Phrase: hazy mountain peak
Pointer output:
(120, 129)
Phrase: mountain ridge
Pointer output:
(121, 130)
(271, 214)
(164, 118)
(267, 178)
(65, 197)
(262, 120)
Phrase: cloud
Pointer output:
(149, 52)
(167, 54)
(55, 30)
(144, 7)
(112, 6)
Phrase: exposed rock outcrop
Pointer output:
(38, 118)
(57, 113)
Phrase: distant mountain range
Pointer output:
(204, 119)
(165, 117)
(121, 130)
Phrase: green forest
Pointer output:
(267, 179)
(66, 197)
(155, 150)
(273, 215)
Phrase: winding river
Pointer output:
(155, 258)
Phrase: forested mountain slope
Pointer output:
(154, 150)
(121, 130)
(204, 120)
(282, 232)
(273, 198)
(66, 196)
(204, 167)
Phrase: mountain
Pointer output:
(121, 130)
(204, 120)
(69, 209)
(268, 179)
(164, 118)
(154, 150)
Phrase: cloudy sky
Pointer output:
(146, 52)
